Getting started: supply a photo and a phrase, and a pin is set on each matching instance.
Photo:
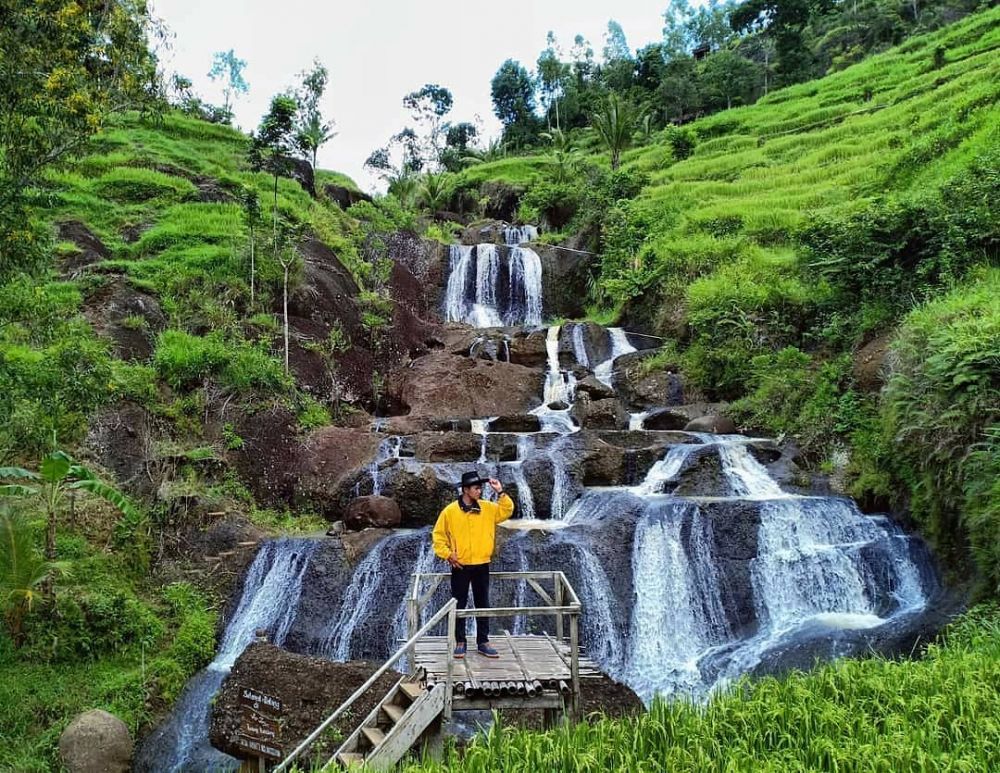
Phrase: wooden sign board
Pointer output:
(261, 703)
(259, 748)
(260, 726)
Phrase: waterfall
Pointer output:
(525, 289)
(580, 346)
(472, 294)
(601, 623)
(514, 235)
(360, 599)
(678, 611)
(746, 476)
(636, 421)
(387, 449)
(619, 345)
(560, 389)
(268, 601)
(665, 470)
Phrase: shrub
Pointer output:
(942, 414)
(184, 360)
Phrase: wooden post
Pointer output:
(412, 624)
(574, 645)
(450, 659)
(557, 583)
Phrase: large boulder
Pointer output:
(343, 196)
(442, 385)
(528, 348)
(715, 423)
(267, 457)
(309, 690)
(120, 437)
(599, 414)
(640, 388)
(421, 494)
(565, 276)
(326, 461)
(96, 742)
(525, 422)
(500, 200)
(378, 511)
(447, 447)
(665, 419)
(425, 259)
(485, 232)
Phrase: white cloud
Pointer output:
(378, 50)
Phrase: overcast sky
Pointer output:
(378, 50)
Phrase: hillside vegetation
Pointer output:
(780, 247)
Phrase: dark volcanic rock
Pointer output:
(528, 349)
(701, 476)
(129, 317)
(720, 425)
(525, 422)
(420, 495)
(501, 200)
(564, 277)
(308, 688)
(594, 388)
(661, 387)
(325, 463)
(441, 385)
(120, 437)
(734, 526)
(380, 512)
(447, 447)
(599, 414)
(96, 742)
(91, 249)
(665, 419)
(344, 197)
(301, 171)
(267, 457)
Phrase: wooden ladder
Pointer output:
(393, 726)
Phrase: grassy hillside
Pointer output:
(780, 247)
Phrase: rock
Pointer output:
(408, 425)
(96, 742)
(327, 293)
(442, 385)
(90, 249)
(380, 512)
(528, 349)
(870, 364)
(421, 495)
(599, 414)
(301, 171)
(129, 317)
(525, 422)
(309, 689)
(701, 476)
(325, 463)
(501, 200)
(267, 458)
(665, 419)
(447, 447)
(344, 197)
(720, 425)
(594, 388)
(425, 259)
(484, 232)
(639, 389)
(593, 339)
(565, 276)
(120, 437)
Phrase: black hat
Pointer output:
(472, 479)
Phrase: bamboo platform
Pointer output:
(527, 664)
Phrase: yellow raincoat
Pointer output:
(470, 534)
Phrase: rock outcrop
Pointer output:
(96, 742)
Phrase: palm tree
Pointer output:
(494, 151)
(433, 192)
(22, 571)
(314, 133)
(615, 123)
(405, 188)
(565, 159)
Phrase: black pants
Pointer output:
(477, 575)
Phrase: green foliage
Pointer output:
(184, 360)
(22, 571)
(193, 642)
(943, 418)
(135, 185)
(873, 714)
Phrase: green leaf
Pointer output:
(18, 472)
(107, 493)
(55, 466)
(17, 490)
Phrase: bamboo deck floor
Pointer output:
(522, 659)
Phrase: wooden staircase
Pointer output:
(393, 726)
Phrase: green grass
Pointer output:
(941, 712)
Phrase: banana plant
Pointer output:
(59, 476)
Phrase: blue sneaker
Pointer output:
(460, 650)
(487, 650)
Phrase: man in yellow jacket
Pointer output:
(464, 537)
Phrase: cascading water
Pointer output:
(619, 345)
(268, 601)
(387, 449)
(559, 391)
(474, 277)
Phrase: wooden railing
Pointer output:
(448, 610)
(561, 602)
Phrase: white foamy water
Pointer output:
(604, 371)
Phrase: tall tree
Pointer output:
(513, 95)
(228, 68)
(252, 218)
(552, 75)
(313, 130)
(785, 21)
(618, 71)
(726, 76)
(429, 105)
(65, 66)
